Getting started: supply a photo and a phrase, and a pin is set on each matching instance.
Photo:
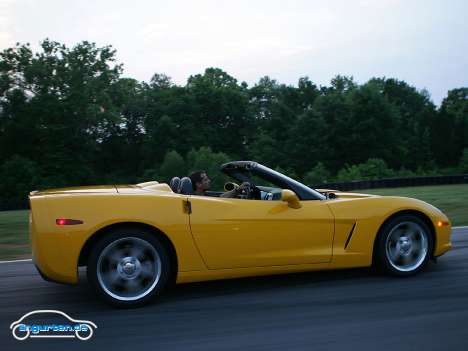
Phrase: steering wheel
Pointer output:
(244, 192)
(250, 192)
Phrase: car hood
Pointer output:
(344, 195)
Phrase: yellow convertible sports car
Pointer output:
(136, 239)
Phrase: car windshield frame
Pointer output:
(242, 171)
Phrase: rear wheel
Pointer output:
(128, 267)
(404, 245)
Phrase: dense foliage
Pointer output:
(68, 117)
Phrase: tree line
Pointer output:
(69, 117)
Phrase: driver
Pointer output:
(201, 183)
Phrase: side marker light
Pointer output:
(442, 223)
(67, 221)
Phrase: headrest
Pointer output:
(185, 186)
(174, 184)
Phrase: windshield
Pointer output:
(286, 182)
(248, 171)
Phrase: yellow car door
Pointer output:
(234, 233)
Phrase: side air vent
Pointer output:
(350, 235)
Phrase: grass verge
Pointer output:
(14, 240)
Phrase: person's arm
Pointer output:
(236, 191)
(232, 193)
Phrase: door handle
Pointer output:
(187, 206)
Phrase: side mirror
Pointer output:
(291, 198)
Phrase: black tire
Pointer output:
(402, 257)
(139, 253)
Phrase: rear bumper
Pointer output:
(43, 276)
(53, 255)
(52, 266)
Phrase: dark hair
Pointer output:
(196, 177)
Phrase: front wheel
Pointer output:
(128, 267)
(403, 246)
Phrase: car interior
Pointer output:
(184, 186)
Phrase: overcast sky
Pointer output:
(424, 43)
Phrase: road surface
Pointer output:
(338, 310)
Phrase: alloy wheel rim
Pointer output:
(128, 268)
(407, 246)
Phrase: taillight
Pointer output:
(67, 221)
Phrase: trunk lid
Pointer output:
(99, 189)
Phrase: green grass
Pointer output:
(450, 199)
(14, 240)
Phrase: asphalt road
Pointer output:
(347, 310)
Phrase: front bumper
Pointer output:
(442, 240)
